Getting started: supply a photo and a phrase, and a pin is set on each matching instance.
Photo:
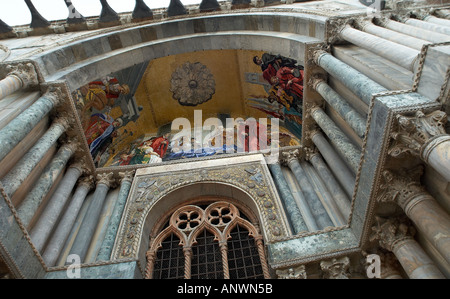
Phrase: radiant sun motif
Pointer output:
(192, 84)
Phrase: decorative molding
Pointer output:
(413, 133)
(251, 178)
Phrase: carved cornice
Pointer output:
(392, 232)
(413, 133)
(336, 268)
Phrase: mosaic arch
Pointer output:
(127, 116)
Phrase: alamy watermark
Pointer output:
(74, 269)
(373, 266)
(235, 136)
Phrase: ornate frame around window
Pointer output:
(219, 218)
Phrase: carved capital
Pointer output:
(126, 176)
(392, 232)
(315, 81)
(334, 27)
(288, 156)
(317, 54)
(81, 166)
(310, 153)
(26, 72)
(297, 272)
(55, 94)
(87, 181)
(336, 268)
(71, 145)
(401, 186)
(105, 178)
(413, 133)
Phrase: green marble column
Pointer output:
(17, 175)
(105, 251)
(33, 200)
(346, 111)
(358, 83)
(294, 214)
(18, 128)
(350, 152)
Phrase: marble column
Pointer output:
(22, 169)
(62, 231)
(90, 220)
(348, 150)
(34, 198)
(428, 26)
(20, 76)
(345, 110)
(47, 220)
(396, 235)
(396, 53)
(19, 127)
(105, 251)
(436, 20)
(292, 209)
(397, 37)
(358, 83)
(341, 199)
(423, 135)
(404, 188)
(430, 36)
(341, 172)
(320, 214)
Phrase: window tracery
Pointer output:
(212, 242)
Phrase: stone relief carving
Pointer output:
(192, 84)
(336, 268)
(390, 232)
(148, 189)
(413, 132)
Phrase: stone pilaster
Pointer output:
(396, 235)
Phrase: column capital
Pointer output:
(317, 54)
(315, 81)
(289, 156)
(71, 145)
(392, 232)
(336, 268)
(81, 166)
(126, 176)
(26, 72)
(296, 272)
(55, 94)
(105, 178)
(414, 133)
(87, 181)
(401, 186)
(310, 153)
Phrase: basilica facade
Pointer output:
(227, 139)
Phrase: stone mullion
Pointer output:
(150, 255)
(262, 257)
(187, 251)
(224, 253)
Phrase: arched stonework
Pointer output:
(159, 189)
(219, 218)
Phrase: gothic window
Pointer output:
(210, 242)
